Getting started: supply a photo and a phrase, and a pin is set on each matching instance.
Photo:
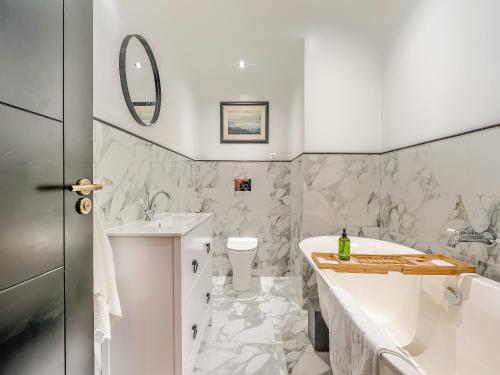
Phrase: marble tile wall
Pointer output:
(428, 190)
(313, 195)
(263, 212)
(331, 192)
(416, 195)
(126, 164)
(341, 191)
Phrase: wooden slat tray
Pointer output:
(408, 264)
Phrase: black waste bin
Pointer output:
(318, 331)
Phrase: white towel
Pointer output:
(355, 341)
(107, 308)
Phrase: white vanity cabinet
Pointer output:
(194, 276)
(164, 277)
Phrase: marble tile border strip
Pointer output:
(488, 127)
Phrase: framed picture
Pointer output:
(244, 122)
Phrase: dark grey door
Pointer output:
(46, 304)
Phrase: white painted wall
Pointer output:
(277, 77)
(369, 76)
(430, 70)
(342, 93)
(441, 70)
(194, 44)
(177, 126)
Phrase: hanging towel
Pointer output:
(355, 341)
(107, 308)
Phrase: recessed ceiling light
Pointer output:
(242, 64)
(138, 65)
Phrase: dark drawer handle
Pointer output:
(194, 263)
(195, 330)
(208, 297)
(208, 247)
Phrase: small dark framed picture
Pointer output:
(242, 184)
(244, 122)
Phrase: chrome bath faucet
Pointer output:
(149, 206)
(468, 234)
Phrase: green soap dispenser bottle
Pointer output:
(344, 246)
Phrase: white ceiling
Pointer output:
(206, 36)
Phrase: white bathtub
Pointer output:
(442, 338)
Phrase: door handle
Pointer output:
(84, 187)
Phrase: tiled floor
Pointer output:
(259, 332)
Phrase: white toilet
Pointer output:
(241, 252)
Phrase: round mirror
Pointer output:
(140, 79)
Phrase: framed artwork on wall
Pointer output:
(244, 122)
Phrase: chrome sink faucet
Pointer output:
(149, 206)
(468, 234)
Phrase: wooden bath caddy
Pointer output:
(408, 264)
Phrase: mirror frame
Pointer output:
(123, 78)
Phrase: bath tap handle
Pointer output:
(453, 296)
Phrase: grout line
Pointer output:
(340, 153)
(239, 161)
(379, 220)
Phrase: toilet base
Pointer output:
(242, 280)
(242, 269)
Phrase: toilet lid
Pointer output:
(241, 243)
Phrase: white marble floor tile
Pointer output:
(284, 288)
(223, 290)
(239, 359)
(259, 332)
(242, 330)
(289, 319)
(307, 362)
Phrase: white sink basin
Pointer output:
(171, 221)
(170, 224)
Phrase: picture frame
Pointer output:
(244, 122)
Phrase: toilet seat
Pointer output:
(241, 243)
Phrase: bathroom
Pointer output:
(177, 176)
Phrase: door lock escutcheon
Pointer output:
(84, 206)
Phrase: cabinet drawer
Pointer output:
(196, 251)
(194, 313)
